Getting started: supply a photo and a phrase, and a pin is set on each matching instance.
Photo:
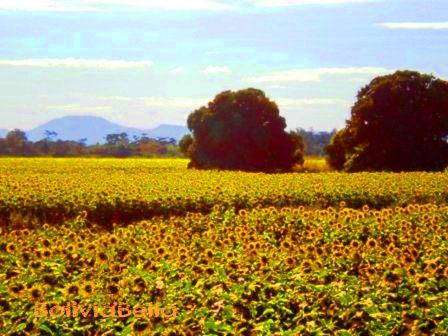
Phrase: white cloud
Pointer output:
(175, 102)
(96, 5)
(78, 108)
(313, 75)
(293, 103)
(213, 53)
(163, 102)
(76, 63)
(216, 70)
(276, 86)
(283, 3)
(415, 25)
(177, 71)
(194, 103)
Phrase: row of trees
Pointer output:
(399, 123)
(117, 145)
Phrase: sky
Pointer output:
(142, 63)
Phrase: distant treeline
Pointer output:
(119, 145)
(315, 142)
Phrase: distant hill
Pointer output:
(95, 129)
(3, 132)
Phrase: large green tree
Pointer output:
(399, 123)
(16, 144)
(241, 130)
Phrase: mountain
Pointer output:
(95, 130)
(165, 130)
(3, 132)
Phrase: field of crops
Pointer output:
(229, 253)
(110, 190)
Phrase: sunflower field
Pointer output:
(228, 253)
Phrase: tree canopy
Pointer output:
(399, 123)
(315, 141)
(241, 130)
(118, 145)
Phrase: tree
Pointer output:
(50, 135)
(185, 143)
(117, 139)
(336, 150)
(16, 144)
(399, 123)
(148, 147)
(315, 142)
(241, 130)
(117, 145)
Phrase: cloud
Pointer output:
(76, 63)
(177, 71)
(415, 25)
(162, 102)
(188, 104)
(313, 75)
(171, 5)
(213, 53)
(98, 5)
(216, 70)
(149, 111)
(80, 108)
(175, 102)
(283, 3)
(293, 103)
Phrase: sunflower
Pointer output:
(355, 244)
(183, 257)
(88, 288)
(102, 256)
(36, 293)
(140, 325)
(264, 259)
(140, 283)
(71, 290)
(242, 212)
(197, 269)
(290, 261)
(17, 289)
(35, 265)
(372, 243)
(46, 253)
(11, 248)
(112, 289)
(209, 254)
(46, 243)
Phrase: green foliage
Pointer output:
(114, 190)
(315, 142)
(185, 143)
(241, 130)
(399, 123)
(265, 271)
(16, 144)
